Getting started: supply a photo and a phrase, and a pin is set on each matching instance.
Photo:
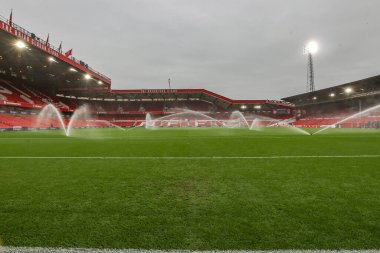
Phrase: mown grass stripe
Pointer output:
(84, 250)
(190, 157)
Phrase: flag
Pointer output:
(60, 48)
(68, 53)
(47, 40)
(11, 17)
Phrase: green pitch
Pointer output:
(186, 189)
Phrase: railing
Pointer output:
(42, 41)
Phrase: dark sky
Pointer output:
(243, 49)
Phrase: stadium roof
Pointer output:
(23, 52)
(365, 87)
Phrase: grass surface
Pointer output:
(303, 203)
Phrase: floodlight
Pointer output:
(311, 47)
(87, 76)
(73, 70)
(100, 82)
(348, 90)
(257, 106)
(243, 107)
(332, 95)
(20, 44)
(51, 59)
(314, 98)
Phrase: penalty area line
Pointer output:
(84, 250)
(189, 157)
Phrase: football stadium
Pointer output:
(85, 167)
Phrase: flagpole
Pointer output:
(10, 18)
(47, 40)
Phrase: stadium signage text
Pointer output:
(159, 91)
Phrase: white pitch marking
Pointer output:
(189, 157)
(87, 250)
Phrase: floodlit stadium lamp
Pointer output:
(311, 47)
(348, 90)
(87, 76)
(51, 59)
(20, 44)
(243, 107)
(257, 107)
(314, 98)
(332, 95)
(100, 82)
(73, 70)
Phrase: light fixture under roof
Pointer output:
(20, 44)
(52, 59)
(348, 90)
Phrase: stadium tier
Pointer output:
(353, 103)
(21, 100)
